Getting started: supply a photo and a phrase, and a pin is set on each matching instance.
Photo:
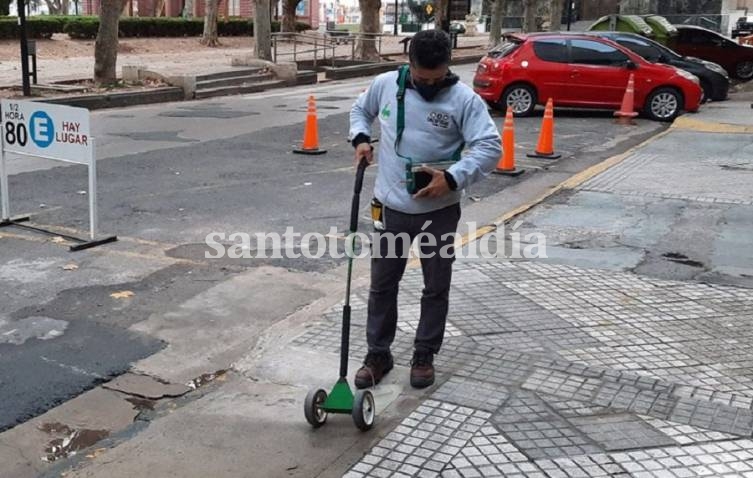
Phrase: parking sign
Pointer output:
(55, 132)
(46, 131)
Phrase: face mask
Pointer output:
(427, 92)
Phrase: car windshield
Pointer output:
(666, 51)
(504, 49)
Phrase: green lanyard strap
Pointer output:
(403, 75)
(401, 104)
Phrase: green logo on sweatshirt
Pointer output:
(386, 111)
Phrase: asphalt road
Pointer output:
(169, 175)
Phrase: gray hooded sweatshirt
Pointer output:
(433, 132)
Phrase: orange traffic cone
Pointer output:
(545, 147)
(311, 132)
(627, 110)
(506, 163)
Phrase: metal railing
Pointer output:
(320, 45)
(303, 44)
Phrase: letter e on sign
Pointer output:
(42, 129)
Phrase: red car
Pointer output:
(709, 45)
(580, 71)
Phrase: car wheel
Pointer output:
(663, 104)
(744, 70)
(520, 98)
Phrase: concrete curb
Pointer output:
(178, 93)
(120, 99)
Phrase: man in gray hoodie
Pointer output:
(437, 138)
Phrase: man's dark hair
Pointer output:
(430, 49)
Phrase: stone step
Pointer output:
(228, 74)
(238, 90)
(239, 80)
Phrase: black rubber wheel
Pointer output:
(663, 104)
(364, 410)
(744, 70)
(521, 98)
(312, 407)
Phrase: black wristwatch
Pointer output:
(450, 180)
(360, 138)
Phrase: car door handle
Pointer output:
(574, 74)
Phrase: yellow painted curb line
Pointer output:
(570, 183)
(691, 124)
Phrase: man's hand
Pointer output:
(436, 188)
(364, 150)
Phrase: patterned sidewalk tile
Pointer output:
(424, 442)
(523, 406)
(595, 465)
(621, 432)
(686, 434)
(548, 439)
(572, 387)
(470, 393)
(718, 460)
(559, 371)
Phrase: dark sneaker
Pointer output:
(422, 369)
(375, 367)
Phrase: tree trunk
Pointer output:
(209, 38)
(288, 15)
(188, 9)
(529, 15)
(442, 15)
(495, 28)
(54, 7)
(555, 14)
(263, 30)
(106, 45)
(367, 45)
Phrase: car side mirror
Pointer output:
(630, 65)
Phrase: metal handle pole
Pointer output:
(4, 188)
(21, 8)
(93, 193)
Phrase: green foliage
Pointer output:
(36, 27)
(86, 27)
(5, 7)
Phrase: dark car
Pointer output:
(714, 79)
(706, 44)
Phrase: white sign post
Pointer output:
(60, 133)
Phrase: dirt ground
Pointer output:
(62, 59)
(60, 46)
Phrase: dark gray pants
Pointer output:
(386, 273)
